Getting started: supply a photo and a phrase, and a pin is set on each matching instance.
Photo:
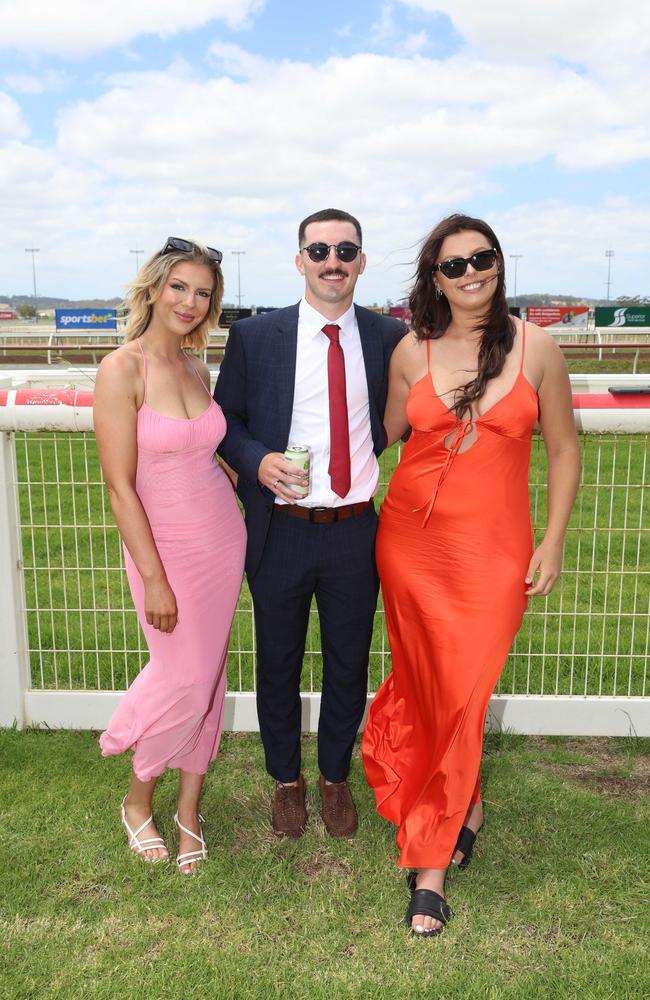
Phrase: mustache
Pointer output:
(333, 273)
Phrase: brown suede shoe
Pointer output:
(338, 810)
(289, 816)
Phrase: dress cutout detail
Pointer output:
(453, 546)
(172, 713)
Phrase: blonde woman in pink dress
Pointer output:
(157, 428)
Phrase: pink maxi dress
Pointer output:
(171, 716)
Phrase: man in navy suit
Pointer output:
(312, 374)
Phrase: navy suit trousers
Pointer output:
(335, 564)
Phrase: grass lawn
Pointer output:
(556, 903)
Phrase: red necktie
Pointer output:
(339, 467)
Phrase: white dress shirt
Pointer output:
(310, 424)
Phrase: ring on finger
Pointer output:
(275, 483)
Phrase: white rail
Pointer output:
(70, 641)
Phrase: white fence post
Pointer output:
(14, 664)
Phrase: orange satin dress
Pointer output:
(453, 546)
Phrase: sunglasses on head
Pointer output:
(455, 267)
(185, 246)
(345, 251)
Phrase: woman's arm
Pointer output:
(115, 418)
(395, 421)
(563, 457)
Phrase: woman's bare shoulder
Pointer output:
(539, 339)
(545, 362)
(410, 347)
(121, 368)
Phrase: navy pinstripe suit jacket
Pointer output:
(255, 391)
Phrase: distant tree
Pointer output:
(26, 311)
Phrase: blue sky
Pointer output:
(230, 120)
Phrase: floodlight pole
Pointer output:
(137, 258)
(516, 257)
(33, 251)
(609, 254)
(238, 254)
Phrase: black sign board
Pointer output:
(264, 309)
(230, 316)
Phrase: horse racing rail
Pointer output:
(71, 642)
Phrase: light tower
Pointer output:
(609, 254)
(137, 253)
(238, 254)
(33, 251)
(516, 257)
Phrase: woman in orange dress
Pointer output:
(454, 546)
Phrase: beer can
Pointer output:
(299, 455)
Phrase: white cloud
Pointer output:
(40, 190)
(280, 125)
(235, 60)
(77, 27)
(566, 243)
(237, 153)
(384, 28)
(29, 83)
(12, 125)
(581, 31)
(416, 42)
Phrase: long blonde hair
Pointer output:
(147, 288)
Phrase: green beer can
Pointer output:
(299, 455)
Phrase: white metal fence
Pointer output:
(580, 663)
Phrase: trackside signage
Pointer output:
(560, 316)
(85, 319)
(623, 316)
(230, 316)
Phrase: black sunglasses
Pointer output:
(346, 251)
(455, 267)
(185, 246)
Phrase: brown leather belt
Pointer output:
(322, 515)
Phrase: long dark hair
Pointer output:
(432, 315)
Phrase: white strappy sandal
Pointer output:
(191, 856)
(138, 846)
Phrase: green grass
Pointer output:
(554, 905)
(610, 364)
(590, 636)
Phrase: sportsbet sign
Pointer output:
(627, 316)
(85, 319)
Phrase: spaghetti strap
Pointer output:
(523, 345)
(144, 362)
(197, 375)
(428, 357)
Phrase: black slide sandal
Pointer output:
(465, 844)
(429, 904)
